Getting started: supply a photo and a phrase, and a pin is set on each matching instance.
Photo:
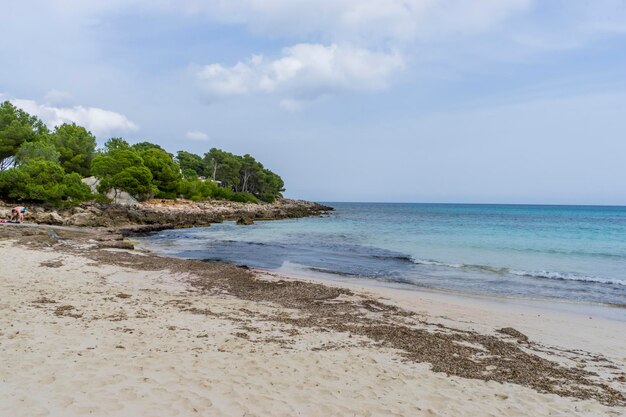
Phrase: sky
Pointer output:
(484, 101)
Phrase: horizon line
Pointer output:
(473, 204)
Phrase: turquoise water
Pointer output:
(574, 253)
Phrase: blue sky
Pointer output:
(509, 101)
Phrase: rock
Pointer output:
(92, 182)
(264, 214)
(51, 217)
(116, 244)
(521, 337)
(5, 213)
(145, 229)
(109, 237)
(121, 197)
(157, 215)
(84, 219)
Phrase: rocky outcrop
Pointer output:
(166, 214)
(245, 221)
(51, 217)
(116, 244)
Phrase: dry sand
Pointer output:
(91, 334)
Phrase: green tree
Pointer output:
(42, 181)
(110, 163)
(16, 128)
(42, 150)
(122, 169)
(196, 189)
(76, 146)
(116, 144)
(248, 172)
(165, 171)
(223, 167)
(144, 146)
(269, 186)
(135, 180)
(13, 184)
(191, 164)
(243, 174)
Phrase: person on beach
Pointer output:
(17, 214)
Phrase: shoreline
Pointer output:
(489, 312)
(590, 276)
(616, 312)
(611, 317)
(607, 310)
(156, 215)
(129, 231)
(189, 321)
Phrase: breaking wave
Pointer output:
(531, 274)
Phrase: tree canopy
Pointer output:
(120, 168)
(223, 166)
(39, 150)
(191, 164)
(241, 174)
(165, 171)
(76, 146)
(38, 165)
(43, 182)
(16, 128)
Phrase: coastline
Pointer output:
(155, 215)
(144, 334)
(613, 312)
(452, 247)
(570, 324)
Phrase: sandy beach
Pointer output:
(87, 329)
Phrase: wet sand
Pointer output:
(91, 330)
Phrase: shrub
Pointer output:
(244, 198)
(43, 181)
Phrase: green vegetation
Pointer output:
(16, 128)
(42, 150)
(191, 165)
(242, 174)
(42, 182)
(43, 166)
(32, 159)
(165, 171)
(77, 148)
(120, 168)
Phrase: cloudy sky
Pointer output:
(508, 101)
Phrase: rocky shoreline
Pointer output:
(157, 215)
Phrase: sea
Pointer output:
(562, 253)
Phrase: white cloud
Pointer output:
(198, 136)
(430, 36)
(305, 71)
(98, 121)
(361, 45)
(357, 20)
(329, 20)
